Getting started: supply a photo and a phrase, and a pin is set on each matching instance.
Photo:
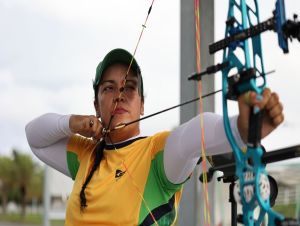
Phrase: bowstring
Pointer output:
(206, 208)
(140, 193)
(198, 66)
(106, 130)
(129, 66)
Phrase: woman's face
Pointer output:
(124, 109)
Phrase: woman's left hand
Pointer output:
(273, 114)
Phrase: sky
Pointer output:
(49, 51)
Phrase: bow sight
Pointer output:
(285, 29)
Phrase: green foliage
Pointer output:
(7, 182)
(24, 167)
(35, 189)
(31, 219)
(7, 172)
(21, 180)
(287, 210)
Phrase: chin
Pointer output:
(124, 133)
(118, 120)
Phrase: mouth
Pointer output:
(119, 111)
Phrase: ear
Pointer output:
(142, 108)
(96, 106)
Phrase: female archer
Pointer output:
(121, 177)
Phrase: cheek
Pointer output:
(101, 105)
(105, 105)
(139, 107)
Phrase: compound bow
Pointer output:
(243, 36)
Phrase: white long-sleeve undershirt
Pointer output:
(48, 136)
(183, 146)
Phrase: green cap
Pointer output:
(118, 56)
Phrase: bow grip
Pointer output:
(254, 128)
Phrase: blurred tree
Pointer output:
(21, 180)
(24, 173)
(35, 189)
(7, 179)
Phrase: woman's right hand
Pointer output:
(86, 125)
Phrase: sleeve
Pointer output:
(157, 163)
(48, 137)
(77, 148)
(183, 146)
(51, 140)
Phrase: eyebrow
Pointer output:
(107, 81)
(134, 81)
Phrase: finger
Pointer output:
(261, 100)
(276, 110)
(91, 123)
(266, 95)
(278, 120)
(273, 101)
(251, 98)
(98, 131)
(246, 97)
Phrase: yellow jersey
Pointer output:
(129, 187)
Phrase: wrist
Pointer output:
(72, 123)
(63, 124)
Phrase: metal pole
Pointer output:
(298, 203)
(46, 202)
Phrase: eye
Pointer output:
(108, 88)
(129, 88)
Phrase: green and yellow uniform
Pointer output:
(129, 172)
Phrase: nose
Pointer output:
(119, 96)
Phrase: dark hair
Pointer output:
(98, 156)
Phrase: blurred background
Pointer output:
(49, 51)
